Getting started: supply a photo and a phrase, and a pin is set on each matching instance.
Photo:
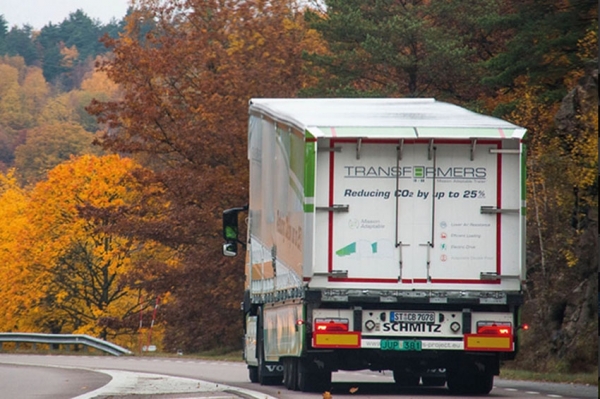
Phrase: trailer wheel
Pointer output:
(290, 373)
(467, 381)
(312, 381)
(433, 381)
(405, 378)
(253, 373)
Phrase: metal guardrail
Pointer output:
(64, 339)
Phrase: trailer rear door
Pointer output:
(410, 211)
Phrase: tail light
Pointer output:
(331, 325)
(334, 332)
(494, 328)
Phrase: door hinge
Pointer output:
(493, 210)
(496, 276)
(334, 208)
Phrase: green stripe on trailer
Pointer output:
(309, 171)
(523, 172)
(524, 180)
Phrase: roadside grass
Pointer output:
(215, 354)
(575, 378)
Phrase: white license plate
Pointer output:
(412, 317)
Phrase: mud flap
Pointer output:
(272, 370)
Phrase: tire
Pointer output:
(308, 381)
(486, 384)
(433, 381)
(286, 373)
(253, 373)
(470, 383)
(290, 374)
(406, 378)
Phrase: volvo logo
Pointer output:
(274, 367)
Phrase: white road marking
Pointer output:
(126, 382)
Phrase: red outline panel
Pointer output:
(330, 238)
(497, 142)
(498, 206)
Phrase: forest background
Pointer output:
(121, 144)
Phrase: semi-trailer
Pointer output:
(382, 234)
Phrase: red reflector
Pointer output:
(488, 342)
(330, 325)
(490, 328)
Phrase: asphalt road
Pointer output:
(17, 381)
(229, 380)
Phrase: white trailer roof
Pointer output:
(383, 118)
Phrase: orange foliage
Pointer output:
(70, 55)
(186, 86)
(68, 273)
(97, 81)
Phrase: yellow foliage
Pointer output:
(58, 109)
(588, 46)
(12, 112)
(558, 163)
(70, 55)
(59, 271)
(99, 82)
(9, 77)
(236, 44)
(35, 90)
(13, 204)
(16, 62)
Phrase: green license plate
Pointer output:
(397, 345)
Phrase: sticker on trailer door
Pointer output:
(364, 237)
(440, 231)
(465, 240)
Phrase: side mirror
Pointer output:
(230, 230)
(230, 224)
(230, 249)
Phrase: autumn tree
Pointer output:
(562, 189)
(9, 77)
(95, 86)
(10, 139)
(186, 87)
(49, 145)
(98, 82)
(28, 110)
(35, 91)
(13, 205)
(12, 110)
(62, 50)
(70, 272)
